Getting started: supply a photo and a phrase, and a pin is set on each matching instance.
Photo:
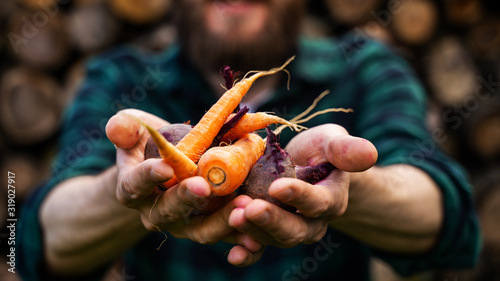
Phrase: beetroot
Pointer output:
(314, 174)
(276, 163)
(273, 164)
(172, 132)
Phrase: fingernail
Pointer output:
(285, 194)
(244, 262)
(190, 195)
(263, 217)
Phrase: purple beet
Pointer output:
(276, 163)
(172, 132)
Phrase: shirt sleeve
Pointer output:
(392, 115)
(83, 149)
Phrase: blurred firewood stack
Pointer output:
(43, 47)
(453, 45)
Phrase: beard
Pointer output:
(268, 48)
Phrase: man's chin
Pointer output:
(260, 44)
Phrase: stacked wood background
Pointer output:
(453, 45)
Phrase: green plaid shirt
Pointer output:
(389, 104)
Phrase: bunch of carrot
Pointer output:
(224, 167)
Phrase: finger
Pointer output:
(213, 203)
(214, 228)
(285, 228)
(238, 221)
(351, 154)
(241, 256)
(176, 203)
(125, 132)
(247, 241)
(332, 143)
(328, 199)
(140, 181)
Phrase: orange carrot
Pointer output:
(196, 142)
(225, 168)
(251, 122)
(183, 166)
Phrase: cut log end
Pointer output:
(450, 71)
(140, 12)
(415, 22)
(351, 12)
(29, 107)
(38, 40)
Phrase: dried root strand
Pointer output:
(299, 119)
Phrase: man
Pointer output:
(412, 209)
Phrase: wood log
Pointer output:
(415, 21)
(91, 27)
(87, 2)
(37, 5)
(140, 12)
(450, 72)
(3, 206)
(484, 134)
(27, 173)
(484, 40)
(487, 200)
(38, 39)
(352, 12)
(29, 108)
(6, 8)
(489, 214)
(463, 12)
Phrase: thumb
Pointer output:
(351, 154)
(125, 132)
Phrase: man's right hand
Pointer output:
(171, 210)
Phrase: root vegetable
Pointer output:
(194, 144)
(229, 125)
(255, 121)
(172, 133)
(183, 166)
(225, 168)
(276, 163)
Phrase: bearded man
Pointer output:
(410, 207)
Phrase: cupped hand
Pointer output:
(317, 204)
(171, 210)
